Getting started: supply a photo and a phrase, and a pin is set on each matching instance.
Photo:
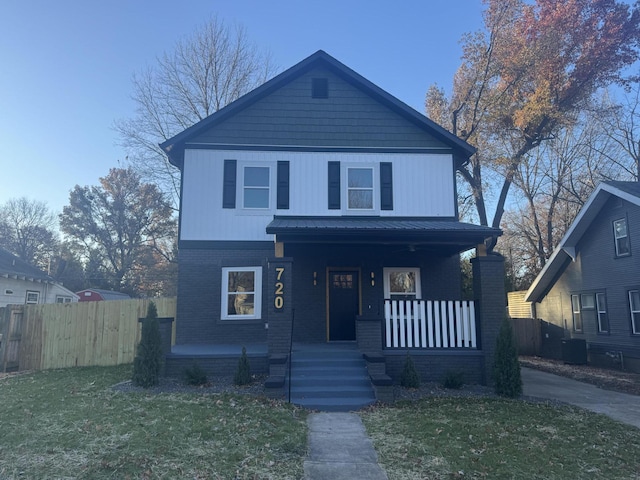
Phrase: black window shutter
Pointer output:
(229, 184)
(283, 186)
(334, 185)
(386, 186)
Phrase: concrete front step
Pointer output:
(330, 378)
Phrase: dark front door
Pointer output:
(343, 304)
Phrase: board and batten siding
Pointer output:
(423, 186)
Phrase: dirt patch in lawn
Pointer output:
(616, 380)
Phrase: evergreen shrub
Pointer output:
(506, 367)
(148, 360)
(243, 373)
(409, 377)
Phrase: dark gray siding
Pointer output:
(347, 118)
(597, 269)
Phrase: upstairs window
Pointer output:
(621, 236)
(241, 293)
(402, 283)
(255, 193)
(360, 188)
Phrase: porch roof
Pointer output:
(440, 233)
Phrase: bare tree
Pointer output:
(621, 123)
(527, 76)
(28, 229)
(205, 72)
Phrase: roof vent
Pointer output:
(319, 88)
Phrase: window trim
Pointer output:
(386, 274)
(62, 299)
(32, 292)
(601, 311)
(257, 293)
(576, 314)
(375, 193)
(634, 313)
(626, 236)
(243, 187)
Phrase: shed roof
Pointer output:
(438, 233)
(565, 252)
(174, 147)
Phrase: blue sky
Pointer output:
(67, 67)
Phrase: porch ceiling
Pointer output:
(437, 233)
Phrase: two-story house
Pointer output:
(590, 287)
(315, 202)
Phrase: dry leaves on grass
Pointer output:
(616, 380)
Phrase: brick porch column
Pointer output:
(489, 294)
(280, 305)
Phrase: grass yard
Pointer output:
(449, 438)
(70, 424)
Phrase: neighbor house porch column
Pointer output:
(489, 294)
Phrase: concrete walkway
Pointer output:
(620, 406)
(339, 449)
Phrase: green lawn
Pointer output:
(71, 424)
(492, 438)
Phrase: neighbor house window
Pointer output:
(603, 318)
(402, 283)
(577, 316)
(32, 297)
(360, 193)
(634, 306)
(62, 299)
(621, 237)
(241, 293)
(256, 182)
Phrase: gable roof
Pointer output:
(174, 147)
(566, 249)
(12, 266)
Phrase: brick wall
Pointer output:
(489, 294)
(199, 288)
(434, 365)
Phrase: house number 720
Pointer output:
(278, 301)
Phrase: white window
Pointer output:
(402, 283)
(32, 297)
(256, 181)
(62, 299)
(621, 237)
(603, 318)
(634, 307)
(360, 181)
(241, 293)
(577, 315)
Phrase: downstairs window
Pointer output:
(241, 293)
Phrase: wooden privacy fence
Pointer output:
(528, 335)
(38, 337)
(430, 324)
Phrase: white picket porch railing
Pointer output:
(429, 324)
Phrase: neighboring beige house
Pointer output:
(21, 283)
